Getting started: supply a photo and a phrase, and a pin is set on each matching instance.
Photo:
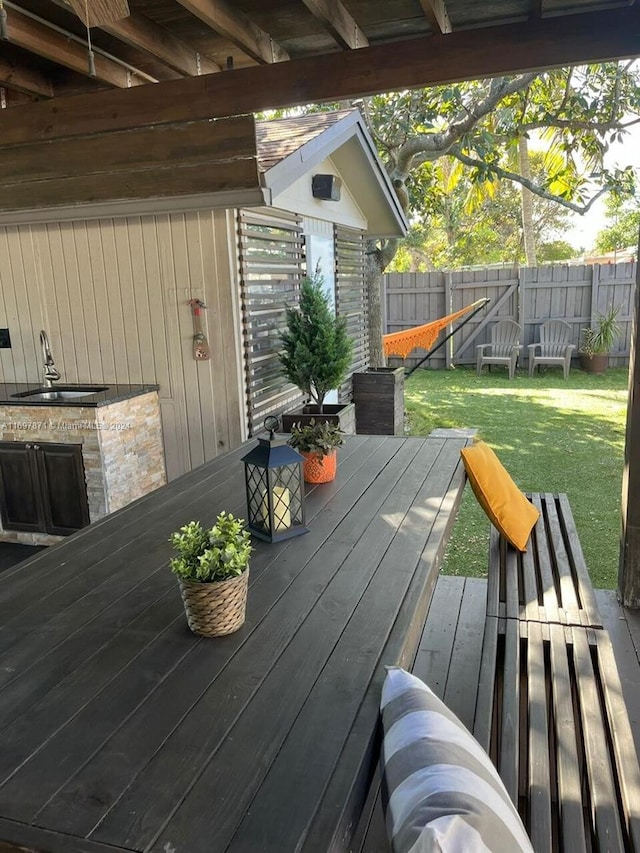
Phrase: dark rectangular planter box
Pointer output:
(343, 414)
(378, 394)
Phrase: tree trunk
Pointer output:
(373, 281)
(527, 204)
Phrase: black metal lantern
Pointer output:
(274, 481)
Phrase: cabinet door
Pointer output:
(63, 487)
(20, 497)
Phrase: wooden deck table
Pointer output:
(122, 731)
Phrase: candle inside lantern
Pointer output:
(281, 509)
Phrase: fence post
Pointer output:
(522, 277)
(384, 307)
(595, 291)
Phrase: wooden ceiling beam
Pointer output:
(426, 61)
(143, 34)
(339, 22)
(436, 13)
(37, 38)
(237, 28)
(12, 98)
(26, 80)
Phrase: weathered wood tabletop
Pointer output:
(122, 731)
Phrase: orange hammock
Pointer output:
(401, 343)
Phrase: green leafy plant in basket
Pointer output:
(213, 569)
(211, 555)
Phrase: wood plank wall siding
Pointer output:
(271, 248)
(351, 297)
(528, 295)
(177, 159)
(112, 294)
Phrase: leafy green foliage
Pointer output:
(473, 224)
(317, 436)
(317, 349)
(599, 339)
(551, 434)
(211, 555)
(622, 232)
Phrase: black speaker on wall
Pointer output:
(326, 187)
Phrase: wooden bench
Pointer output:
(523, 661)
(550, 712)
(550, 581)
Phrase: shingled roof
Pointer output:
(278, 138)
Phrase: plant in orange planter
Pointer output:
(317, 441)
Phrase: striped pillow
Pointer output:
(441, 791)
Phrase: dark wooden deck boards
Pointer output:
(12, 553)
(120, 730)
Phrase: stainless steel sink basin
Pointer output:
(63, 392)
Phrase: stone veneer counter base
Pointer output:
(121, 439)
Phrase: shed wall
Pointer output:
(113, 294)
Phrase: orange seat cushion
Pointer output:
(506, 506)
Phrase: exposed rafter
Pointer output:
(426, 61)
(339, 22)
(13, 98)
(44, 41)
(436, 13)
(143, 34)
(238, 28)
(25, 80)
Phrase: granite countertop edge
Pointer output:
(113, 393)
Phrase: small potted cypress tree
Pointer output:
(316, 355)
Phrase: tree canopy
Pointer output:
(472, 224)
(623, 227)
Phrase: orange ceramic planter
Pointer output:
(318, 468)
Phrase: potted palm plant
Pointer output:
(598, 341)
(317, 441)
(212, 567)
(316, 355)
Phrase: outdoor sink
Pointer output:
(63, 392)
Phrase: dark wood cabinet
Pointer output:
(42, 487)
(20, 499)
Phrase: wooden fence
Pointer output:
(528, 295)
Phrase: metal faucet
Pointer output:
(51, 375)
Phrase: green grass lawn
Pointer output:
(551, 434)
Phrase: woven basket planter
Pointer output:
(216, 608)
(318, 468)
